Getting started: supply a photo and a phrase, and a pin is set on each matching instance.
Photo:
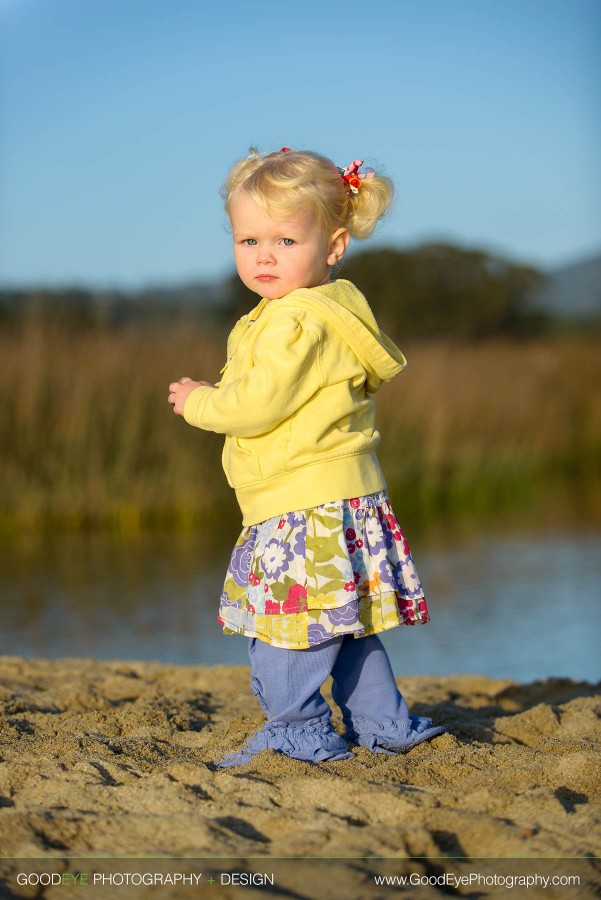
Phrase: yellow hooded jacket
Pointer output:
(295, 401)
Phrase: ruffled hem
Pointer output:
(314, 741)
(298, 631)
(391, 735)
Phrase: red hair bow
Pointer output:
(353, 177)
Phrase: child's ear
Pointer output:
(338, 246)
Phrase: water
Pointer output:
(521, 605)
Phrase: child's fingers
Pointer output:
(176, 384)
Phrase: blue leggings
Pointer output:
(287, 684)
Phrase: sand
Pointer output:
(115, 759)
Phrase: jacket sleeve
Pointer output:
(285, 374)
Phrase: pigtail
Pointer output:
(368, 205)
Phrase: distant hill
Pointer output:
(572, 291)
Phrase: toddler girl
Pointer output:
(321, 565)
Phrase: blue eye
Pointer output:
(249, 241)
(288, 242)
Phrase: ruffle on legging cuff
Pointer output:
(390, 735)
(312, 742)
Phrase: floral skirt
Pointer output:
(301, 579)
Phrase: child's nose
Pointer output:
(265, 254)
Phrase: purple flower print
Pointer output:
(388, 572)
(276, 557)
(344, 615)
(300, 545)
(317, 634)
(388, 537)
(224, 600)
(374, 536)
(296, 518)
(408, 582)
(240, 562)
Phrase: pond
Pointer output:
(520, 603)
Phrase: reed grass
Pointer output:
(87, 438)
(475, 426)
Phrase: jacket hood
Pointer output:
(345, 308)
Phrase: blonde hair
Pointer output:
(284, 181)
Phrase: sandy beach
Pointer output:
(115, 759)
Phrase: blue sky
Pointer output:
(120, 118)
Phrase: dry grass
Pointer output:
(87, 436)
(475, 424)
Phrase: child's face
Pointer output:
(277, 255)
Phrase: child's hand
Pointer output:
(179, 391)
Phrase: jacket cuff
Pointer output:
(195, 404)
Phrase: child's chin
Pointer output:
(272, 291)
